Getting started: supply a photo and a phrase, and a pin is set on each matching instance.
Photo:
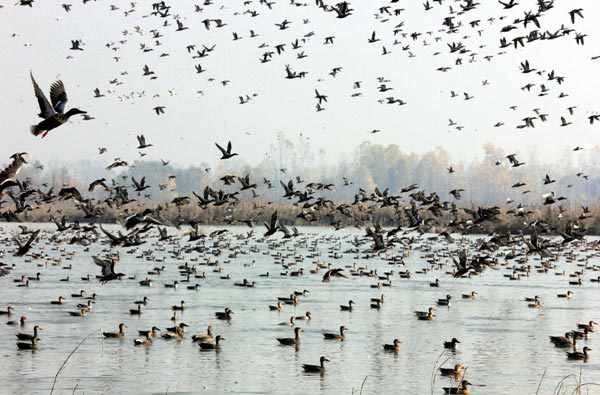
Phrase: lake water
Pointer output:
(504, 343)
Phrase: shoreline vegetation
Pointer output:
(543, 219)
(381, 185)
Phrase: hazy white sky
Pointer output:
(39, 38)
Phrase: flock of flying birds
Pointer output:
(457, 37)
(417, 211)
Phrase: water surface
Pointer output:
(503, 342)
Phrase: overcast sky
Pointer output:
(39, 38)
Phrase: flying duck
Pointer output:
(53, 115)
(108, 269)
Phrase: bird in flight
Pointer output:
(108, 269)
(53, 115)
(226, 153)
(142, 142)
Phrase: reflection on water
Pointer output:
(504, 344)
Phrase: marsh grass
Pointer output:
(362, 386)
(66, 361)
(437, 366)
(571, 384)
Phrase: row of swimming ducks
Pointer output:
(208, 342)
(293, 299)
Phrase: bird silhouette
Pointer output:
(53, 115)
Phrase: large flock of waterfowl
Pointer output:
(253, 302)
(329, 300)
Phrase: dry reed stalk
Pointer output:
(67, 360)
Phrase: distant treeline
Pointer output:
(488, 181)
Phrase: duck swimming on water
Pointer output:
(445, 302)
(119, 335)
(137, 311)
(307, 316)
(291, 341)
(451, 344)
(392, 347)
(81, 313)
(224, 315)
(204, 337)
(27, 336)
(472, 295)
(589, 326)
(562, 341)
(316, 368)
(335, 336)
(21, 321)
(177, 334)
(288, 323)
(457, 371)
(28, 346)
(53, 115)
(144, 341)
(463, 389)
(212, 346)
(7, 312)
(579, 355)
(89, 306)
(143, 301)
(153, 332)
(425, 315)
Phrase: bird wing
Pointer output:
(162, 232)
(18, 241)
(285, 230)
(105, 264)
(58, 96)
(150, 220)
(132, 221)
(32, 238)
(11, 171)
(109, 235)
(223, 151)
(70, 192)
(338, 273)
(274, 220)
(462, 259)
(46, 109)
(534, 239)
